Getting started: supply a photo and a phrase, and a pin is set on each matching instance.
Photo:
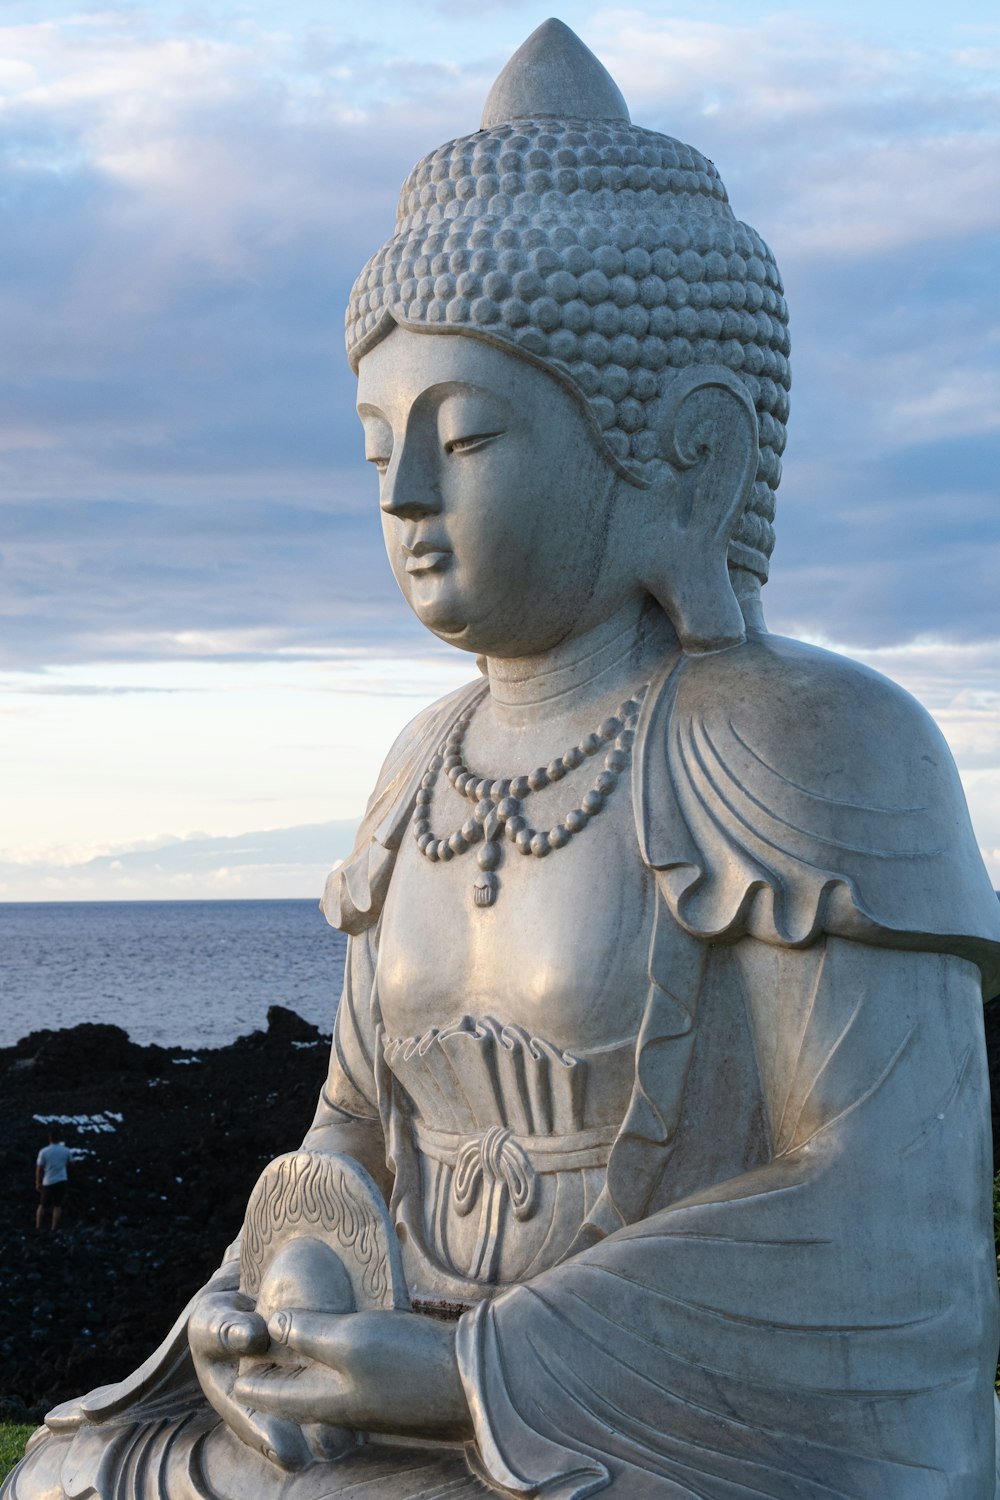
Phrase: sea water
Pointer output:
(179, 973)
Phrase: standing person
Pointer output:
(51, 1176)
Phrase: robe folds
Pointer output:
(787, 1287)
(808, 1309)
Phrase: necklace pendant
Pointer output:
(484, 888)
(492, 825)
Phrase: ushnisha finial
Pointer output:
(553, 75)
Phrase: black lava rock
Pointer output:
(171, 1144)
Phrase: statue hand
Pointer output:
(222, 1329)
(372, 1371)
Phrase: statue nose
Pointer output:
(411, 487)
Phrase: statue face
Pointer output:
(499, 513)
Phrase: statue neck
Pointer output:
(585, 668)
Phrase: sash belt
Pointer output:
(502, 1165)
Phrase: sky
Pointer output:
(203, 655)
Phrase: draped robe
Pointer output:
(787, 1287)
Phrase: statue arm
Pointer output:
(840, 1299)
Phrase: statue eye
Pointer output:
(471, 443)
(381, 463)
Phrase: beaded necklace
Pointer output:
(499, 803)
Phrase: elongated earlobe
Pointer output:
(710, 440)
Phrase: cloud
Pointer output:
(86, 690)
(118, 580)
(190, 200)
(853, 148)
(273, 862)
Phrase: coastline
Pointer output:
(173, 973)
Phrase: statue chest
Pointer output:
(562, 952)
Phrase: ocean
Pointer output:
(178, 973)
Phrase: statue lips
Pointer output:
(426, 557)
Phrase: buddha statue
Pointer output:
(654, 1157)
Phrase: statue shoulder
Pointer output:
(413, 739)
(824, 724)
(356, 889)
(784, 791)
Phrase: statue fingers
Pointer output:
(224, 1326)
(243, 1334)
(306, 1392)
(278, 1438)
(325, 1337)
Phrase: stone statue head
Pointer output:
(607, 257)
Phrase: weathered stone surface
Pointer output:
(653, 1156)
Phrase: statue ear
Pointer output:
(709, 438)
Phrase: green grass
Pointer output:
(13, 1436)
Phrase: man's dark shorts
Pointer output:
(53, 1194)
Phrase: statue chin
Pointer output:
(447, 622)
(653, 1158)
